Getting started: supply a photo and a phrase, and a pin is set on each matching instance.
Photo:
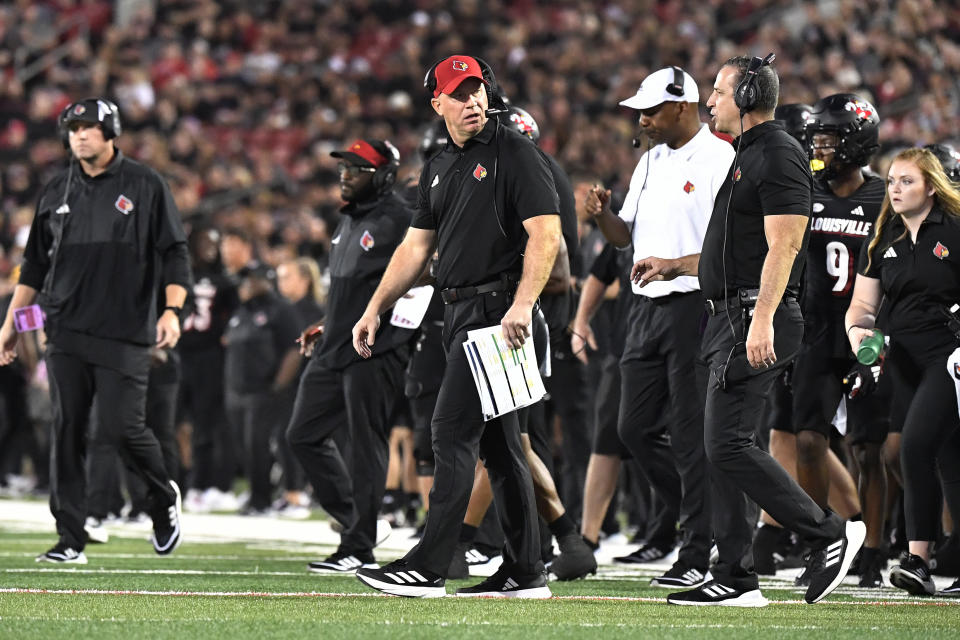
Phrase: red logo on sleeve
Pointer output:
(480, 172)
(366, 241)
(124, 204)
(941, 251)
(688, 187)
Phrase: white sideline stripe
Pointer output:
(168, 572)
(926, 602)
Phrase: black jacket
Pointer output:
(101, 248)
(363, 244)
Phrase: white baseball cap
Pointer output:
(656, 89)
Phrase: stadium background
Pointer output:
(239, 102)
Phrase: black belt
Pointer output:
(719, 305)
(465, 293)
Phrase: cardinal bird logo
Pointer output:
(688, 187)
(941, 251)
(124, 204)
(366, 241)
(79, 110)
(737, 175)
(460, 65)
(480, 172)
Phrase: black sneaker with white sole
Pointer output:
(399, 578)
(646, 553)
(953, 591)
(714, 594)
(62, 554)
(576, 559)
(166, 526)
(680, 576)
(830, 564)
(913, 575)
(503, 584)
(343, 562)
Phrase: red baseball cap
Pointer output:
(454, 70)
(365, 153)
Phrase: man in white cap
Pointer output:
(665, 212)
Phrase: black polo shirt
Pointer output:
(476, 199)
(770, 177)
(919, 280)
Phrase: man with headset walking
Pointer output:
(749, 270)
(477, 199)
(105, 239)
(665, 212)
(339, 389)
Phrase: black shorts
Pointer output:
(606, 440)
(818, 388)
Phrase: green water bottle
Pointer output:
(870, 348)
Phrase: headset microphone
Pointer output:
(636, 143)
(495, 112)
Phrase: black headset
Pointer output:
(495, 99)
(747, 93)
(107, 114)
(675, 88)
(386, 175)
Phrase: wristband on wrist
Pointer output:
(176, 310)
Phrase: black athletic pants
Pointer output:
(742, 471)
(661, 376)
(925, 407)
(360, 399)
(121, 393)
(214, 459)
(459, 435)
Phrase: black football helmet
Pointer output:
(522, 121)
(949, 159)
(795, 116)
(435, 138)
(855, 123)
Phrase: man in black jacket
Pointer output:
(339, 388)
(106, 237)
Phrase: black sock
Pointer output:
(467, 532)
(562, 526)
(857, 517)
(593, 545)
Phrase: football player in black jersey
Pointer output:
(842, 133)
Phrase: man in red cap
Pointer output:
(339, 389)
(485, 194)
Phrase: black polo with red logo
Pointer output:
(476, 199)
(920, 280)
(769, 177)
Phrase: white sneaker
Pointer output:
(96, 532)
(196, 502)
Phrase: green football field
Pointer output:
(233, 590)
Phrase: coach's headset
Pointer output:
(385, 175)
(107, 116)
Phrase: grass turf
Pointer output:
(245, 590)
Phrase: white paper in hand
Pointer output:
(409, 311)
(506, 379)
